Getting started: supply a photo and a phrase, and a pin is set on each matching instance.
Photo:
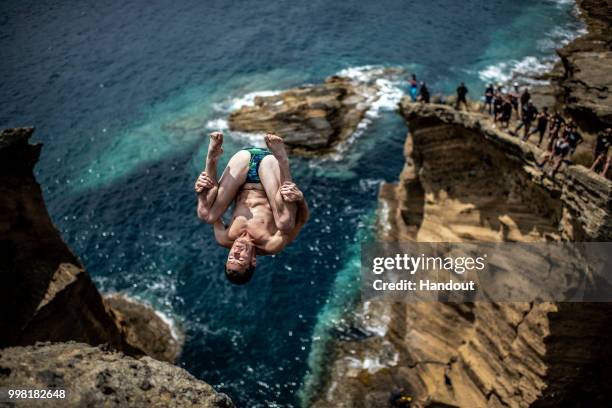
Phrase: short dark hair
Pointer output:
(240, 278)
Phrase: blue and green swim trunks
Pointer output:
(257, 155)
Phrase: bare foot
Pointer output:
(276, 146)
(215, 147)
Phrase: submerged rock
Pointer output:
(312, 117)
(96, 377)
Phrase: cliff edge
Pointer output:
(98, 377)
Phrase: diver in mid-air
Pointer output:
(269, 209)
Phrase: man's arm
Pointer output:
(221, 234)
(301, 217)
(206, 185)
(206, 189)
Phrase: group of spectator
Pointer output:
(418, 93)
(563, 135)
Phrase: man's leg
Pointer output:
(526, 131)
(542, 131)
(273, 172)
(604, 172)
(215, 150)
(232, 179)
(596, 162)
(213, 203)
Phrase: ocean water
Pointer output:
(123, 94)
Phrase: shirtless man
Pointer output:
(269, 209)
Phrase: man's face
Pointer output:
(240, 256)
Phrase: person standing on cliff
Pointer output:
(269, 209)
(514, 98)
(506, 112)
(556, 124)
(498, 102)
(414, 88)
(574, 138)
(600, 153)
(541, 125)
(462, 92)
(424, 93)
(525, 98)
(488, 98)
(560, 150)
(528, 115)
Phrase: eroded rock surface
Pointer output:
(45, 287)
(45, 293)
(585, 83)
(312, 117)
(145, 329)
(96, 377)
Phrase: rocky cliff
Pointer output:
(98, 377)
(583, 82)
(464, 181)
(46, 295)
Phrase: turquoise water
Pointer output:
(123, 95)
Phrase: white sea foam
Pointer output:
(246, 100)
(381, 87)
(526, 69)
(375, 320)
(223, 109)
(373, 360)
(170, 322)
(217, 124)
(174, 331)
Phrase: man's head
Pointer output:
(241, 261)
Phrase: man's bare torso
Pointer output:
(253, 214)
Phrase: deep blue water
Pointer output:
(123, 94)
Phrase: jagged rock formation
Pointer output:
(483, 185)
(97, 377)
(46, 295)
(144, 328)
(466, 182)
(44, 286)
(585, 84)
(311, 117)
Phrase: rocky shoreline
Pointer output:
(47, 296)
(465, 181)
